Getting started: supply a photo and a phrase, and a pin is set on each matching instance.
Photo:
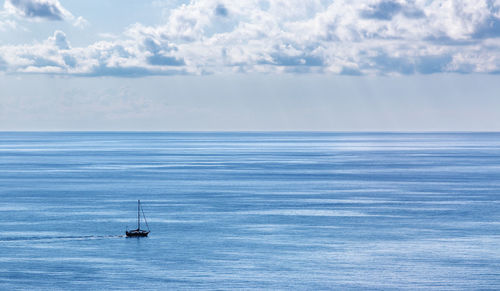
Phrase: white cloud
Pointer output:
(340, 37)
(81, 22)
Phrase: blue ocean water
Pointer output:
(290, 210)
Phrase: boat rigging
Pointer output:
(139, 232)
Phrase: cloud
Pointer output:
(221, 10)
(390, 64)
(370, 37)
(384, 10)
(81, 22)
(293, 61)
(39, 9)
(51, 10)
(59, 39)
(433, 64)
(160, 60)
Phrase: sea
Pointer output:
(250, 210)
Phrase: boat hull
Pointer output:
(137, 233)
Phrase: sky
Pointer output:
(324, 65)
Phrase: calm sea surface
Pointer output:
(297, 211)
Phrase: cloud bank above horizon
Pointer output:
(371, 37)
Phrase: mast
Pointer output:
(138, 214)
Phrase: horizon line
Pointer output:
(249, 131)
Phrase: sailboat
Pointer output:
(138, 232)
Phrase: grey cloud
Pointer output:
(121, 51)
(151, 45)
(388, 64)
(302, 69)
(466, 69)
(160, 60)
(60, 40)
(221, 10)
(432, 64)
(426, 64)
(70, 61)
(103, 70)
(347, 71)
(448, 41)
(489, 29)
(286, 60)
(38, 61)
(50, 10)
(413, 12)
(384, 10)
(42, 62)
